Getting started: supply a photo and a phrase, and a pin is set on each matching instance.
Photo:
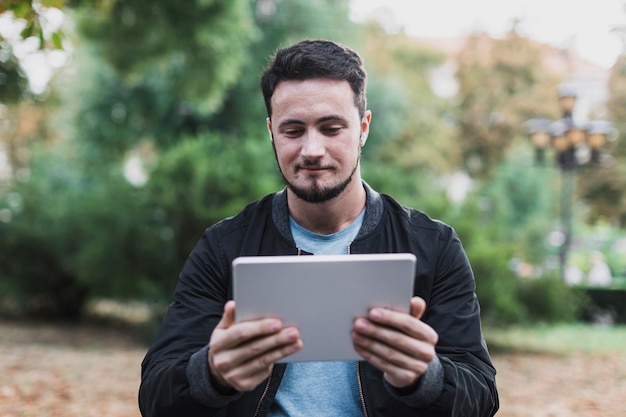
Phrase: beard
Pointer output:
(315, 193)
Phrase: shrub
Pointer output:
(84, 232)
(35, 283)
(549, 299)
(496, 285)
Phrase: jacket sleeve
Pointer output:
(174, 375)
(469, 387)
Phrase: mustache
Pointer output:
(308, 163)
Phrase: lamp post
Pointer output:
(574, 145)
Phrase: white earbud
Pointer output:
(269, 128)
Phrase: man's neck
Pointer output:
(331, 216)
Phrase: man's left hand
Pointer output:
(399, 344)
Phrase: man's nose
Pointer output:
(313, 144)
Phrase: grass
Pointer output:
(557, 338)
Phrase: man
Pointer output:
(431, 361)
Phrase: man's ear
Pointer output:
(269, 128)
(365, 127)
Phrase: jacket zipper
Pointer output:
(358, 369)
(267, 387)
(361, 395)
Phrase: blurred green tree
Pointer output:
(32, 19)
(504, 225)
(410, 126)
(144, 96)
(603, 186)
(95, 231)
(201, 180)
(180, 105)
(502, 83)
(411, 142)
(196, 48)
(278, 23)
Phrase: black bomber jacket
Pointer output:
(175, 379)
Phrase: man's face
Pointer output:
(317, 136)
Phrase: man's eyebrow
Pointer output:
(323, 119)
(331, 117)
(290, 122)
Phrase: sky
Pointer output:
(587, 24)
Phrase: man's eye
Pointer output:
(293, 133)
(332, 130)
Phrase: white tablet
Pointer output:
(321, 295)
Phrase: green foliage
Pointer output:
(410, 126)
(13, 82)
(496, 284)
(489, 254)
(34, 282)
(604, 185)
(522, 201)
(184, 99)
(550, 299)
(197, 46)
(73, 234)
(607, 302)
(114, 116)
(146, 92)
(28, 15)
(35, 238)
(204, 179)
(278, 23)
(501, 84)
(505, 296)
(504, 225)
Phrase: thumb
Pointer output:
(418, 306)
(228, 319)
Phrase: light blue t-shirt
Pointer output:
(320, 388)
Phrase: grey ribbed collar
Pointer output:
(373, 212)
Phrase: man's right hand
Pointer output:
(241, 355)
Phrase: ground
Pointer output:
(68, 371)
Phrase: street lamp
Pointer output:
(575, 145)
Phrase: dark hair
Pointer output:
(310, 59)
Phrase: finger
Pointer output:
(400, 373)
(247, 374)
(394, 346)
(418, 307)
(408, 324)
(231, 357)
(288, 345)
(228, 318)
(243, 332)
(260, 346)
(250, 374)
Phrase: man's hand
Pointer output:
(241, 355)
(398, 344)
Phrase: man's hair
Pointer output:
(311, 59)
